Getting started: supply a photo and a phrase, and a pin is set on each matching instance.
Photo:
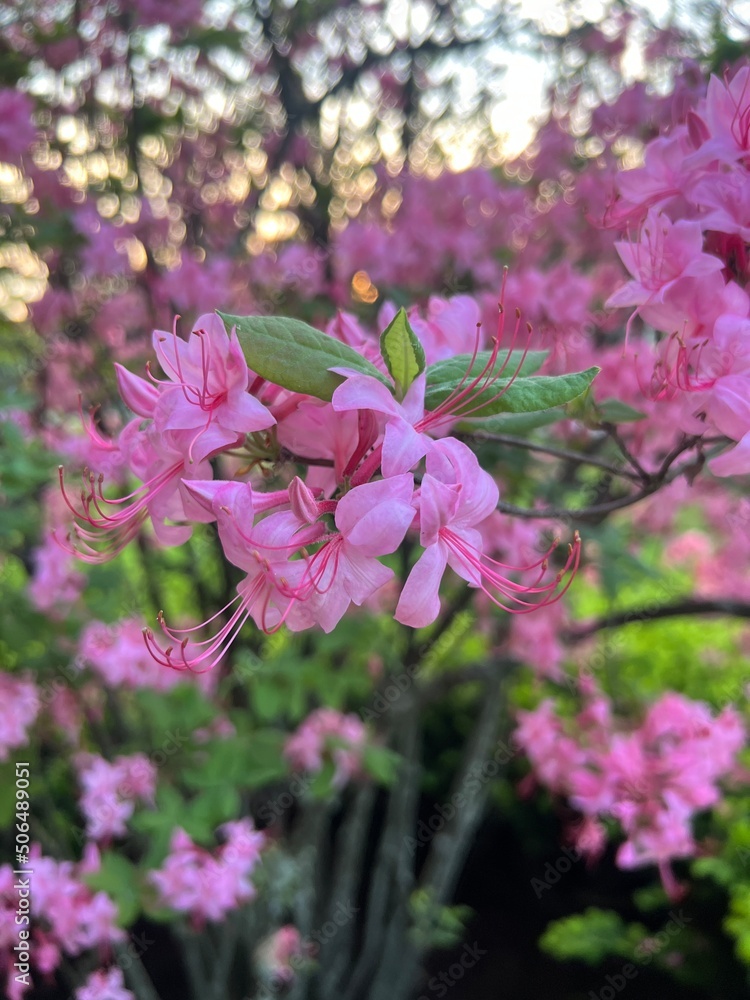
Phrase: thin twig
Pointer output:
(614, 434)
(564, 453)
(662, 477)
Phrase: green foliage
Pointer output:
(118, 877)
(516, 424)
(296, 356)
(402, 352)
(521, 395)
(468, 366)
(614, 411)
(435, 925)
(591, 937)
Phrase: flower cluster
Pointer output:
(110, 791)
(208, 885)
(55, 585)
(104, 984)
(117, 654)
(689, 267)
(652, 780)
(67, 917)
(326, 733)
(281, 954)
(380, 464)
(19, 707)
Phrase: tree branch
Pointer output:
(565, 453)
(680, 609)
(665, 475)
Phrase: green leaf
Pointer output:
(296, 356)
(591, 936)
(321, 785)
(402, 352)
(614, 411)
(455, 368)
(517, 424)
(381, 764)
(522, 395)
(118, 877)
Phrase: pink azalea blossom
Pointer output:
(371, 521)
(104, 984)
(263, 551)
(328, 733)
(55, 584)
(455, 497)
(119, 657)
(110, 791)
(19, 706)
(652, 780)
(17, 131)
(208, 885)
(207, 388)
(666, 252)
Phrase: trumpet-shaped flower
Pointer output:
(371, 521)
(207, 388)
(455, 497)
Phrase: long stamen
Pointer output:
(316, 568)
(112, 531)
(216, 646)
(89, 427)
(470, 399)
(549, 592)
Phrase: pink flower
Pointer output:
(456, 496)
(17, 131)
(725, 201)
(371, 521)
(404, 442)
(326, 732)
(725, 121)
(450, 327)
(104, 984)
(19, 707)
(535, 640)
(653, 780)
(119, 656)
(408, 425)
(666, 252)
(263, 550)
(152, 12)
(75, 919)
(662, 178)
(110, 791)
(55, 585)
(160, 461)
(207, 388)
(208, 885)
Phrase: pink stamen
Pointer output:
(113, 531)
(483, 566)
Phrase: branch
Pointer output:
(612, 431)
(393, 875)
(565, 453)
(689, 606)
(135, 972)
(450, 846)
(665, 475)
(351, 844)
